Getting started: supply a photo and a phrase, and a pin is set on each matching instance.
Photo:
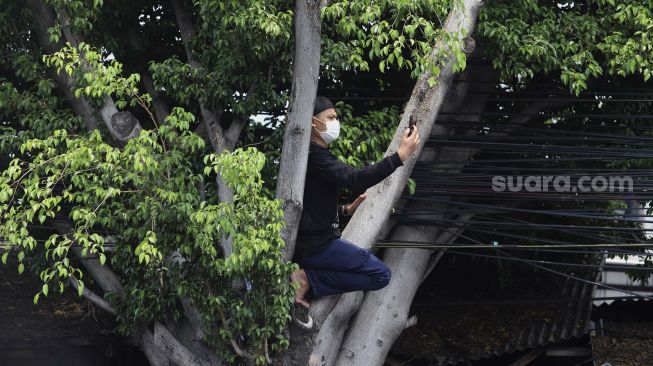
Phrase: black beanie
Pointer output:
(321, 104)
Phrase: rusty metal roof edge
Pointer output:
(575, 322)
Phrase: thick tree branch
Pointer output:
(123, 125)
(64, 21)
(366, 224)
(160, 346)
(186, 29)
(145, 339)
(448, 237)
(103, 275)
(219, 139)
(424, 104)
(409, 267)
(332, 327)
(43, 18)
(363, 229)
(161, 110)
(306, 70)
(210, 118)
(175, 351)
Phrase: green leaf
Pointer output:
(80, 288)
(411, 186)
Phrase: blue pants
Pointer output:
(343, 267)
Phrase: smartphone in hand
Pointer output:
(412, 122)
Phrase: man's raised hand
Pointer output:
(408, 144)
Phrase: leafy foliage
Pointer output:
(164, 239)
(399, 34)
(577, 40)
(149, 210)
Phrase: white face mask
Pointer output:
(332, 130)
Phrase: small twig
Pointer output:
(411, 321)
(239, 351)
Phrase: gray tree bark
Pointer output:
(306, 72)
(161, 347)
(43, 18)
(383, 314)
(123, 125)
(372, 215)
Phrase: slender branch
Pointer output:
(267, 353)
(94, 298)
(446, 237)
(234, 344)
(161, 110)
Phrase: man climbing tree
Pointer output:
(332, 265)
(123, 120)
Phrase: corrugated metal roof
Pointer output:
(574, 322)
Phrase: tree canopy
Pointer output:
(120, 120)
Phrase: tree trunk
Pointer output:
(161, 346)
(372, 215)
(383, 314)
(296, 138)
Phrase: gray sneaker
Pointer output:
(301, 316)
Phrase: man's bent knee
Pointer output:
(382, 279)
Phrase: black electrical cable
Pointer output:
(524, 301)
(539, 261)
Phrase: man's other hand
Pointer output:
(351, 208)
(408, 144)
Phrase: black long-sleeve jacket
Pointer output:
(325, 175)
